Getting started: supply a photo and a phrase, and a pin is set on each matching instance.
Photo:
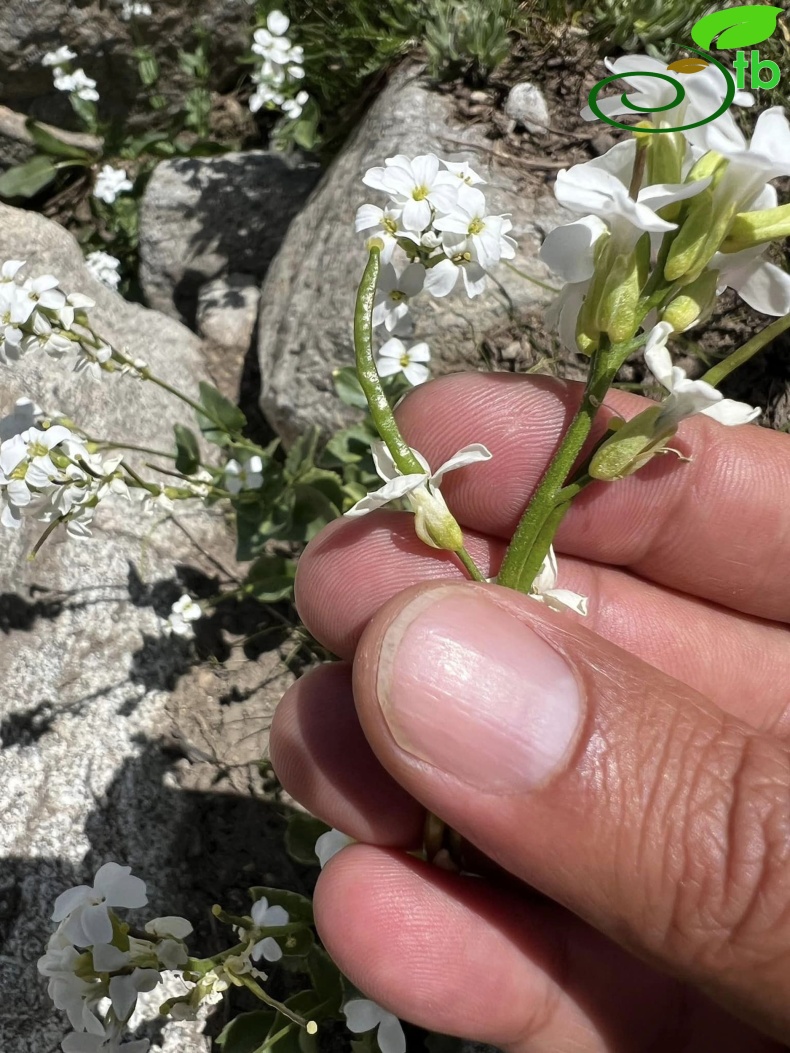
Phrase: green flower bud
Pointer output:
(632, 444)
(690, 242)
(756, 228)
(664, 162)
(434, 523)
(710, 164)
(692, 302)
(617, 312)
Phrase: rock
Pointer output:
(105, 45)
(202, 217)
(88, 676)
(307, 300)
(17, 145)
(526, 107)
(227, 310)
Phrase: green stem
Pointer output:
(723, 369)
(258, 991)
(520, 565)
(378, 403)
(471, 567)
(529, 278)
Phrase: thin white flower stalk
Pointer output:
(279, 69)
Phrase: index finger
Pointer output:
(717, 527)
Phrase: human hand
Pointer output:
(632, 767)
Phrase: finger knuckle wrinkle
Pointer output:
(731, 904)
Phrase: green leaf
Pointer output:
(247, 1032)
(301, 835)
(301, 456)
(271, 578)
(299, 907)
(297, 944)
(736, 27)
(349, 446)
(187, 450)
(222, 418)
(348, 388)
(28, 179)
(51, 144)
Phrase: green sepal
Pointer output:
(630, 446)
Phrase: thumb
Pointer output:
(608, 785)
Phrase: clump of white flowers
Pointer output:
(135, 9)
(182, 614)
(279, 69)
(66, 78)
(105, 268)
(110, 182)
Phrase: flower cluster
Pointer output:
(135, 9)
(280, 69)
(666, 223)
(105, 268)
(96, 966)
(110, 182)
(437, 215)
(36, 315)
(183, 612)
(66, 78)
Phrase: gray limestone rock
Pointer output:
(526, 107)
(85, 670)
(202, 217)
(307, 300)
(227, 310)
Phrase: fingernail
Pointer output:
(467, 687)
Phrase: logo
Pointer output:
(736, 27)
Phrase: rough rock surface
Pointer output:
(105, 45)
(308, 296)
(227, 310)
(90, 686)
(202, 217)
(526, 107)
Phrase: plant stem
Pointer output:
(378, 403)
(717, 373)
(529, 278)
(521, 564)
(289, 1014)
(471, 567)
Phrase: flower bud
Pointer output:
(664, 163)
(617, 311)
(692, 302)
(710, 164)
(632, 444)
(689, 244)
(755, 228)
(433, 520)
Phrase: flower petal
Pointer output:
(362, 1015)
(472, 454)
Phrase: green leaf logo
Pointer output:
(737, 27)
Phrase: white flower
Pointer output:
(421, 490)
(704, 93)
(75, 303)
(173, 926)
(85, 909)
(688, 397)
(329, 844)
(753, 164)
(124, 990)
(394, 358)
(363, 1015)
(569, 251)
(11, 336)
(277, 23)
(135, 9)
(440, 280)
(183, 612)
(39, 292)
(463, 170)
(544, 589)
(396, 287)
(110, 182)
(77, 83)
(45, 338)
(763, 285)
(246, 476)
(416, 186)
(265, 917)
(293, 107)
(599, 188)
(60, 57)
(26, 468)
(485, 235)
(383, 222)
(104, 267)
